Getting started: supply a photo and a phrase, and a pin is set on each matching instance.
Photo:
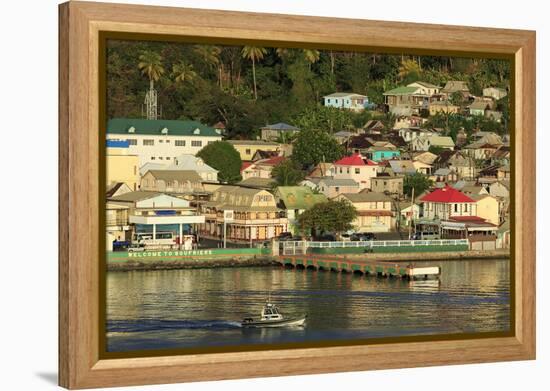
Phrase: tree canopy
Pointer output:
(313, 146)
(419, 182)
(330, 216)
(247, 87)
(223, 157)
(287, 173)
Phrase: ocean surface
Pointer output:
(204, 307)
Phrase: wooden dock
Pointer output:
(401, 269)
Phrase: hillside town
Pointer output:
(409, 172)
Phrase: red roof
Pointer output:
(219, 125)
(446, 195)
(354, 160)
(475, 219)
(272, 161)
(245, 165)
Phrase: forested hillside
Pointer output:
(248, 87)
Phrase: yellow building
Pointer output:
(374, 211)
(442, 107)
(247, 148)
(120, 166)
(487, 207)
(256, 216)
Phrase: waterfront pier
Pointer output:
(404, 270)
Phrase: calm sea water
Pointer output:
(203, 307)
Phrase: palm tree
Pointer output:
(183, 72)
(253, 53)
(150, 64)
(312, 56)
(282, 52)
(408, 67)
(211, 56)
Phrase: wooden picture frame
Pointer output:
(81, 23)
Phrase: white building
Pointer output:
(161, 141)
(356, 168)
(409, 134)
(346, 100)
(155, 213)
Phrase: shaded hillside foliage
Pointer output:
(249, 87)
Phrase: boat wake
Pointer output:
(141, 325)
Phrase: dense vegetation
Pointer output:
(330, 216)
(223, 157)
(248, 87)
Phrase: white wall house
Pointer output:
(161, 141)
(345, 100)
(356, 168)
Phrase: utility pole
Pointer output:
(224, 234)
(412, 213)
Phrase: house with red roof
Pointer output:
(447, 202)
(357, 168)
(261, 168)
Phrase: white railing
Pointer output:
(377, 243)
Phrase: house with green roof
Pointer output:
(410, 99)
(161, 141)
(295, 200)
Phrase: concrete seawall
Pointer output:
(190, 263)
(265, 260)
(432, 256)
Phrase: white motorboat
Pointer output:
(271, 317)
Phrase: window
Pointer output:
(456, 207)
(132, 141)
(247, 151)
(153, 158)
(149, 142)
(337, 188)
(161, 141)
(196, 143)
(167, 141)
(168, 158)
(357, 170)
(347, 170)
(161, 158)
(180, 143)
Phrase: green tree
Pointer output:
(287, 173)
(313, 146)
(223, 157)
(311, 56)
(331, 216)
(210, 56)
(409, 71)
(150, 64)
(456, 98)
(437, 150)
(418, 181)
(183, 73)
(254, 53)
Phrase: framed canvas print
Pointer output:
(247, 195)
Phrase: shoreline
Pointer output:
(255, 261)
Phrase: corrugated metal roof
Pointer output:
(139, 126)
